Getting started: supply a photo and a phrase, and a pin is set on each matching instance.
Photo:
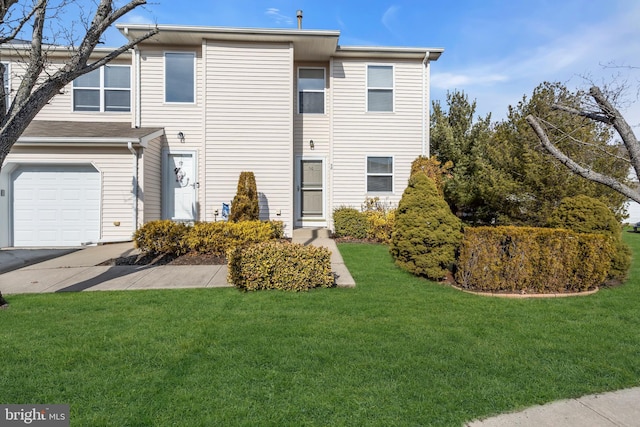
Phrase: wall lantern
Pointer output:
(311, 144)
(181, 137)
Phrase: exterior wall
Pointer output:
(61, 106)
(249, 125)
(116, 167)
(150, 197)
(358, 133)
(174, 117)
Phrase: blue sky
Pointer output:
(496, 51)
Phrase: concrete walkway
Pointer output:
(78, 270)
(619, 408)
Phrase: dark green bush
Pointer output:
(349, 222)
(161, 237)
(426, 234)
(584, 214)
(280, 265)
(244, 206)
(532, 260)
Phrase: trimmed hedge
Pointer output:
(349, 222)
(584, 214)
(375, 221)
(161, 237)
(280, 265)
(533, 260)
(219, 237)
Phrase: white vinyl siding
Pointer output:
(179, 77)
(379, 88)
(105, 89)
(358, 134)
(116, 172)
(311, 84)
(379, 174)
(7, 84)
(249, 125)
(151, 178)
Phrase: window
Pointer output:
(379, 88)
(311, 90)
(106, 89)
(379, 174)
(179, 77)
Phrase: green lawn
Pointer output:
(396, 350)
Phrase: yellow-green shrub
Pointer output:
(219, 237)
(161, 237)
(277, 228)
(349, 222)
(280, 265)
(380, 225)
(535, 260)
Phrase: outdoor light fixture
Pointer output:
(181, 137)
(311, 144)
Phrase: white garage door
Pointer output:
(56, 205)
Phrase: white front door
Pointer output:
(310, 191)
(180, 186)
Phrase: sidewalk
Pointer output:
(79, 271)
(618, 408)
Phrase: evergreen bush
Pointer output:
(161, 237)
(584, 214)
(426, 234)
(245, 205)
(349, 222)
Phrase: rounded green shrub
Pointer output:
(426, 234)
(161, 237)
(350, 222)
(218, 238)
(584, 214)
(244, 206)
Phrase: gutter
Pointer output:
(134, 189)
(138, 95)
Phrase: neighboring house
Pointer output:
(165, 130)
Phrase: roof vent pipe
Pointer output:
(299, 16)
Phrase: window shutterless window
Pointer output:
(379, 88)
(379, 174)
(106, 89)
(7, 84)
(179, 77)
(311, 90)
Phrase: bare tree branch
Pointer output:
(4, 8)
(587, 114)
(578, 169)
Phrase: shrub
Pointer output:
(349, 222)
(280, 265)
(161, 237)
(244, 206)
(220, 237)
(426, 234)
(380, 225)
(277, 229)
(432, 168)
(584, 214)
(539, 260)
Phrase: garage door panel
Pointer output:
(56, 205)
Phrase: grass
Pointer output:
(396, 350)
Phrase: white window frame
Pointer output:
(164, 77)
(392, 88)
(102, 89)
(324, 87)
(368, 174)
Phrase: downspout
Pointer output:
(135, 184)
(425, 130)
(138, 95)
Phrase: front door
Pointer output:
(310, 189)
(180, 186)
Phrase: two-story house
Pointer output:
(165, 130)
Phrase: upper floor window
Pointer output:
(311, 90)
(379, 88)
(106, 89)
(379, 174)
(179, 77)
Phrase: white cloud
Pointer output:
(389, 18)
(470, 78)
(278, 17)
(134, 18)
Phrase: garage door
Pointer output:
(56, 205)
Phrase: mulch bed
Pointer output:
(187, 259)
